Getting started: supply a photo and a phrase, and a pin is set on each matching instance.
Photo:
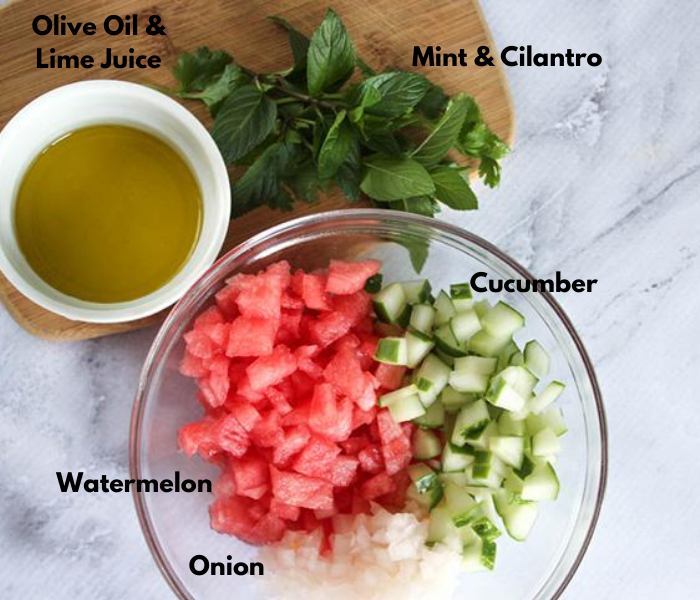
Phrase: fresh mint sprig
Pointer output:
(331, 120)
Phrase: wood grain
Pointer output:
(384, 32)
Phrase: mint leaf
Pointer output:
(331, 56)
(197, 70)
(398, 91)
(298, 42)
(445, 133)
(453, 189)
(384, 142)
(262, 183)
(335, 147)
(219, 89)
(433, 103)
(243, 122)
(420, 205)
(418, 247)
(305, 182)
(349, 174)
(387, 178)
(365, 69)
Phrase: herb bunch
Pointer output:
(384, 136)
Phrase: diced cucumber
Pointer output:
(465, 381)
(482, 307)
(485, 529)
(448, 360)
(541, 484)
(509, 426)
(521, 379)
(536, 358)
(518, 518)
(476, 364)
(510, 449)
(406, 409)
(526, 468)
(481, 442)
(423, 477)
(504, 355)
(471, 422)
(502, 320)
(418, 346)
(464, 325)
(425, 445)
(545, 443)
(453, 400)
(441, 526)
(463, 509)
(423, 318)
(479, 556)
(503, 395)
(447, 342)
(417, 292)
(392, 351)
(434, 417)
(431, 378)
(486, 463)
(458, 478)
(485, 344)
(461, 294)
(493, 481)
(374, 283)
(445, 309)
(552, 418)
(546, 397)
(390, 303)
(456, 458)
(404, 392)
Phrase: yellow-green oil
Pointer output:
(108, 214)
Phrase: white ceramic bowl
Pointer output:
(79, 105)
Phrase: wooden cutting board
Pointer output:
(384, 31)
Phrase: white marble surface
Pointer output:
(602, 183)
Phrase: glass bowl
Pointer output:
(176, 525)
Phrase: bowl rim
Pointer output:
(341, 215)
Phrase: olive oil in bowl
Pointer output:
(108, 214)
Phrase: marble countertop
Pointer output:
(602, 183)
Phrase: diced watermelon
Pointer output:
(363, 417)
(268, 432)
(354, 444)
(302, 384)
(246, 390)
(198, 437)
(377, 486)
(328, 416)
(284, 511)
(251, 337)
(311, 288)
(371, 459)
(295, 439)
(397, 454)
(251, 475)
(345, 373)
(390, 376)
(368, 399)
(317, 458)
(269, 529)
(225, 485)
(217, 333)
(233, 516)
(199, 344)
(302, 491)
(350, 277)
(261, 298)
(247, 415)
(193, 366)
(389, 429)
(270, 370)
(279, 401)
(305, 360)
(298, 416)
(343, 471)
(211, 316)
(231, 437)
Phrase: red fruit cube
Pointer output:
(193, 366)
(317, 457)
(268, 432)
(388, 428)
(345, 373)
(302, 491)
(199, 344)
(231, 437)
(284, 511)
(371, 459)
(198, 437)
(397, 454)
(295, 439)
(329, 417)
(270, 370)
(249, 473)
(377, 486)
(343, 471)
(390, 377)
(350, 277)
(311, 288)
(247, 415)
(251, 337)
